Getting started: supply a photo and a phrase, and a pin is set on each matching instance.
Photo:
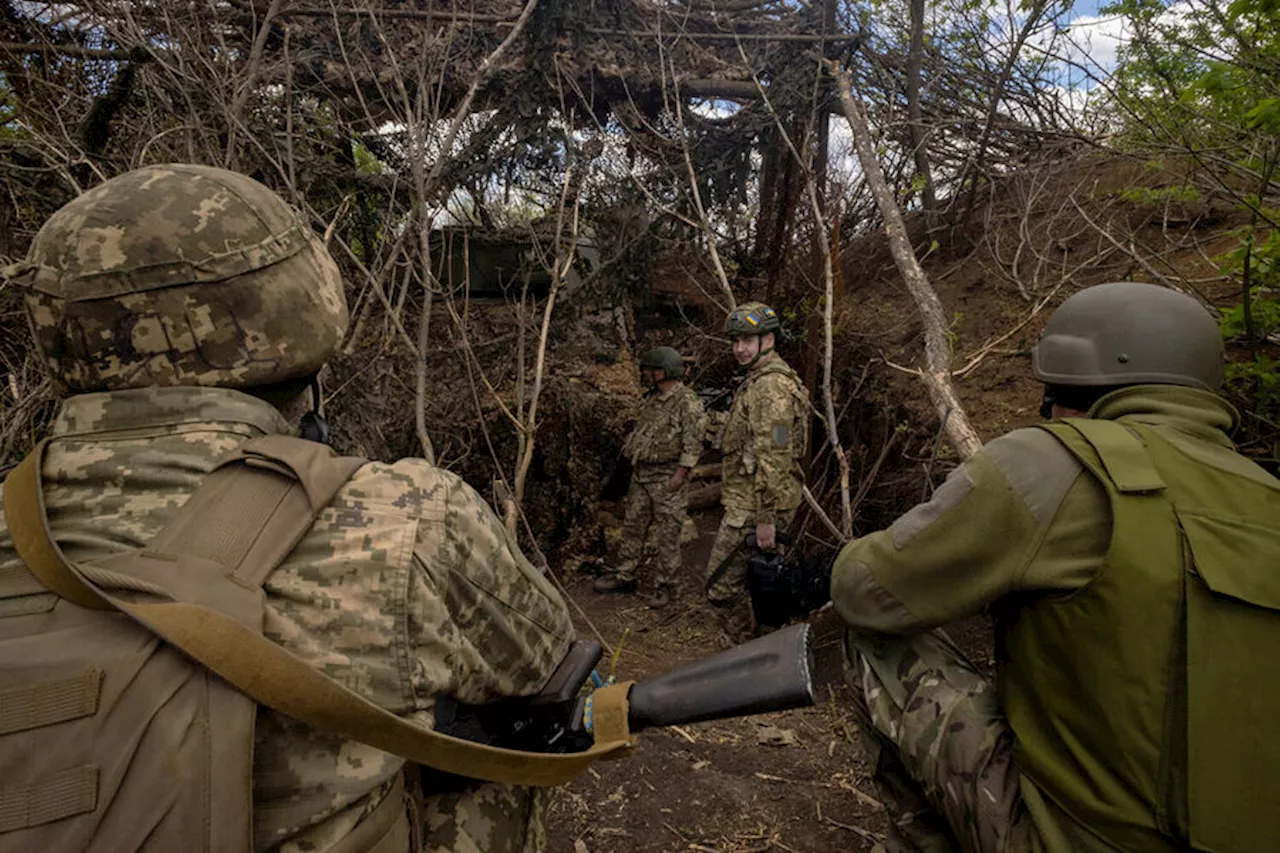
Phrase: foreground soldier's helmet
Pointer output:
(751, 318)
(180, 275)
(1128, 334)
(665, 359)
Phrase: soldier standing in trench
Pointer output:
(663, 448)
(764, 440)
(1131, 558)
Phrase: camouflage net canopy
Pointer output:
(639, 128)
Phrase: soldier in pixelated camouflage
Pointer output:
(663, 447)
(184, 310)
(764, 440)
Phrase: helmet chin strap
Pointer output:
(313, 426)
(760, 354)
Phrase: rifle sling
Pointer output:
(270, 674)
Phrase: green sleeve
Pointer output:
(1013, 517)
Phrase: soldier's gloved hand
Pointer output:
(766, 537)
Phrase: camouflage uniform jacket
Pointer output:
(1019, 521)
(764, 440)
(668, 433)
(406, 587)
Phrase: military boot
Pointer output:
(613, 583)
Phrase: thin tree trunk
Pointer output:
(937, 350)
(919, 149)
(251, 78)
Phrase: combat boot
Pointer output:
(613, 583)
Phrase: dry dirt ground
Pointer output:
(790, 781)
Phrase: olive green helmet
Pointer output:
(665, 359)
(751, 318)
(180, 275)
(1127, 333)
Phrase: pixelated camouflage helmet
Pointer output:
(751, 318)
(665, 359)
(180, 275)
(1125, 333)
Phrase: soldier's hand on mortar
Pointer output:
(765, 537)
(677, 479)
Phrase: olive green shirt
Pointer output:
(1020, 518)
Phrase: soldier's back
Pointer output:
(388, 592)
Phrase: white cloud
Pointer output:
(1094, 41)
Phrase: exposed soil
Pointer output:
(790, 781)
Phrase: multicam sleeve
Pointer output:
(771, 416)
(484, 619)
(693, 426)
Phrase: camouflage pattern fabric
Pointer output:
(668, 433)
(406, 588)
(764, 440)
(180, 275)
(940, 749)
(729, 593)
(652, 507)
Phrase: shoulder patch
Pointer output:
(1039, 469)
(954, 489)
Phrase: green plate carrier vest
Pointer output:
(1142, 703)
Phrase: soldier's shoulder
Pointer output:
(410, 486)
(777, 379)
(688, 397)
(1030, 448)
(1037, 466)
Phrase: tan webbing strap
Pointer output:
(270, 674)
(44, 703)
(66, 793)
(609, 706)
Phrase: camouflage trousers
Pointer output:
(489, 819)
(729, 593)
(940, 749)
(652, 507)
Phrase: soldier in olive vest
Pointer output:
(663, 448)
(185, 311)
(1131, 559)
(764, 440)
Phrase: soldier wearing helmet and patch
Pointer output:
(663, 447)
(1129, 556)
(764, 440)
(185, 311)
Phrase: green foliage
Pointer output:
(1257, 381)
(1262, 259)
(1159, 195)
(1198, 76)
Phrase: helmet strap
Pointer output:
(761, 354)
(313, 426)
